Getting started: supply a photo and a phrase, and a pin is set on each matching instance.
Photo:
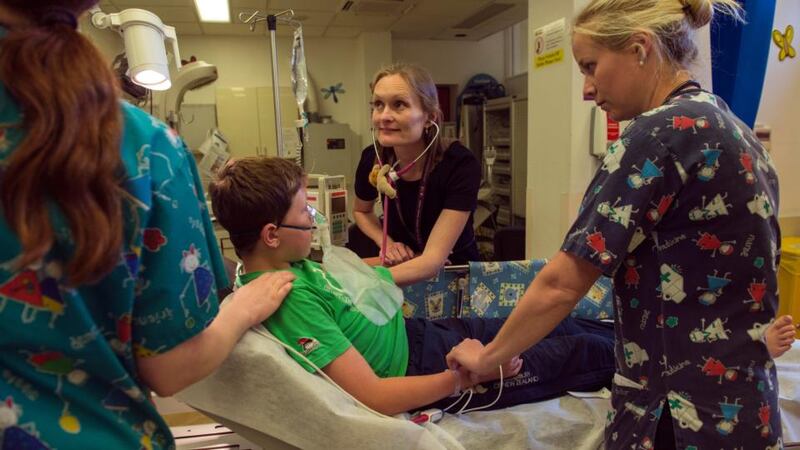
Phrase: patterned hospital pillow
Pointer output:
(496, 287)
(492, 289)
(436, 298)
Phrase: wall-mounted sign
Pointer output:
(548, 43)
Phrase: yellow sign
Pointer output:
(549, 58)
(548, 43)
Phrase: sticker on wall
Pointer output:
(332, 91)
(548, 43)
(784, 42)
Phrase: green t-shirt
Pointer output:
(319, 320)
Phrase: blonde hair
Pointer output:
(421, 83)
(670, 23)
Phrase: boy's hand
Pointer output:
(258, 299)
(397, 252)
(465, 356)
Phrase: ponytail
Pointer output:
(69, 156)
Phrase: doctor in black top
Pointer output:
(430, 220)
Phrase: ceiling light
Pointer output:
(213, 10)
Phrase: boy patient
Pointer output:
(398, 366)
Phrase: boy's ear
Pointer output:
(269, 235)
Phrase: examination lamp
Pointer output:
(144, 34)
(190, 76)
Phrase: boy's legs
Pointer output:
(577, 355)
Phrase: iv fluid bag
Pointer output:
(374, 297)
(300, 76)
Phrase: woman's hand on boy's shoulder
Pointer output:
(258, 299)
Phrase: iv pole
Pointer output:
(272, 22)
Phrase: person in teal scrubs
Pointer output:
(109, 268)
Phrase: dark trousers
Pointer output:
(665, 436)
(578, 355)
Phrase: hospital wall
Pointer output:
(780, 110)
(560, 166)
(455, 62)
(244, 61)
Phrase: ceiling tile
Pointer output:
(312, 5)
(309, 17)
(170, 14)
(109, 8)
(452, 8)
(252, 4)
(342, 32)
(412, 22)
(370, 22)
(187, 29)
(231, 29)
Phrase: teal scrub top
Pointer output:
(67, 356)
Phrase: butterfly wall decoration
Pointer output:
(784, 42)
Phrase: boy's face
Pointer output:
(296, 243)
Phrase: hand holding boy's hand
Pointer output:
(398, 252)
(465, 355)
(258, 299)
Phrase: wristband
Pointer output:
(457, 389)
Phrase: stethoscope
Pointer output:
(392, 176)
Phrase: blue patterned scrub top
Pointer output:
(683, 215)
(67, 369)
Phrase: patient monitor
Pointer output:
(328, 194)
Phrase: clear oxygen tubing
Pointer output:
(393, 177)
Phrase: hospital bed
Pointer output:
(266, 398)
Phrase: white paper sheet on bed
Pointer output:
(264, 395)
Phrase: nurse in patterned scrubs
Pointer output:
(108, 262)
(683, 215)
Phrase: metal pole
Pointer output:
(271, 26)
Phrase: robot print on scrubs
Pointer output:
(682, 214)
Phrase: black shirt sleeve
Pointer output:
(364, 190)
(463, 178)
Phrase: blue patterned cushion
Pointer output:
(495, 288)
(598, 303)
(436, 298)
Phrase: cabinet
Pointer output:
(505, 125)
(246, 117)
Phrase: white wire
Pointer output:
(463, 393)
(478, 408)
(469, 399)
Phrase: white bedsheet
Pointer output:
(789, 385)
(265, 396)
